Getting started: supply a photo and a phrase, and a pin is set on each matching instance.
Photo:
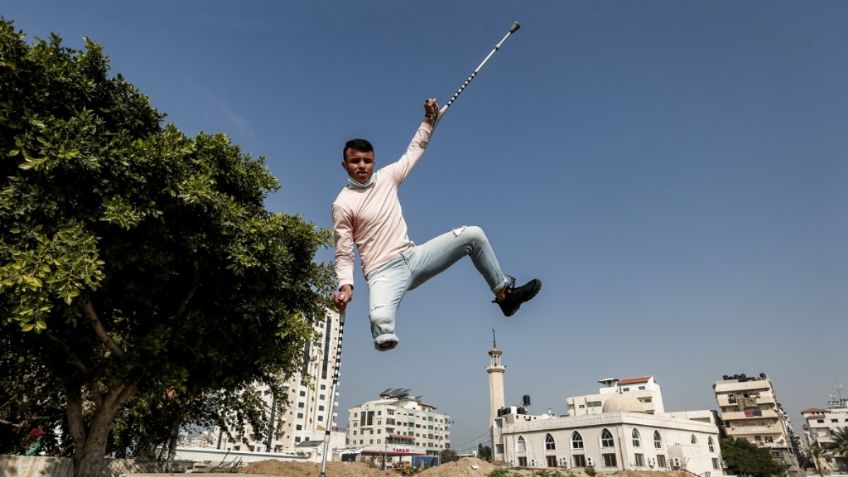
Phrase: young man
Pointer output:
(367, 213)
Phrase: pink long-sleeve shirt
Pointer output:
(372, 218)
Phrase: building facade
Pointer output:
(749, 410)
(397, 426)
(820, 425)
(628, 430)
(643, 388)
(299, 427)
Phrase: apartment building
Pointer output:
(820, 425)
(396, 426)
(643, 388)
(749, 409)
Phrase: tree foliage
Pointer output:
(839, 446)
(745, 458)
(447, 455)
(142, 281)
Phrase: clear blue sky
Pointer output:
(675, 172)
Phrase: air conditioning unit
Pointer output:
(652, 462)
(589, 462)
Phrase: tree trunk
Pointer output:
(90, 447)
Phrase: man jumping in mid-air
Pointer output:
(367, 213)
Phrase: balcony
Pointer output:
(754, 430)
(737, 415)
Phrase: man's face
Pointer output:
(359, 164)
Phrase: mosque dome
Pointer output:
(623, 403)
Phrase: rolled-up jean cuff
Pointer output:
(392, 338)
(500, 287)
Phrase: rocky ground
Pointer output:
(469, 467)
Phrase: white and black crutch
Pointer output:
(329, 421)
(444, 109)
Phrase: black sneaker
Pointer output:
(515, 296)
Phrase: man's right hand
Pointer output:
(342, 297)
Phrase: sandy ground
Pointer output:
(468, 467)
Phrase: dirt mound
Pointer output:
(467, 467)
(309, 469)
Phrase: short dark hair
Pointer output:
(357, 144)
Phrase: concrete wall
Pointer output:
(41, 466)
(36, 466)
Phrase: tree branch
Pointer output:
(91, 315)
(195, 283)
(73, 413)
(72, 357)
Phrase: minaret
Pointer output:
(496, 380)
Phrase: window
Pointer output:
(299, 427)
(522, 461)
(521, 446)
(657, 440)
(641, 388)
(576, 440)
(715, 463)
(661, 461)
(606, 439)
(609, 460)
(579, 460)
(636, 440)
(551, 460)
(694, 439)
(640, 460)
(710, 444)
(550, 444)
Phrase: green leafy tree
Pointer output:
(745, 458)
(141, 278)
(484, 452)
(447, 455)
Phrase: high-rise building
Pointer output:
(820, 428)
(299, 428)
(397, 426)
(749, 410)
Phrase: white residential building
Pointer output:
(397, 426)
(819, 428)
(623, 433)
(749, 410)
(643, 388)
(299, 429)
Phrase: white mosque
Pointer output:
(623, 427)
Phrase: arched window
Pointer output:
(521, 446)
(637, 441)
(710, 444)
(576, 440)
(657, 440)
(606, 439)
(550, 444)
(694, 439)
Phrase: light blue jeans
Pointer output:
(388, 283)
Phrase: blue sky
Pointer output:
(674, 171)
